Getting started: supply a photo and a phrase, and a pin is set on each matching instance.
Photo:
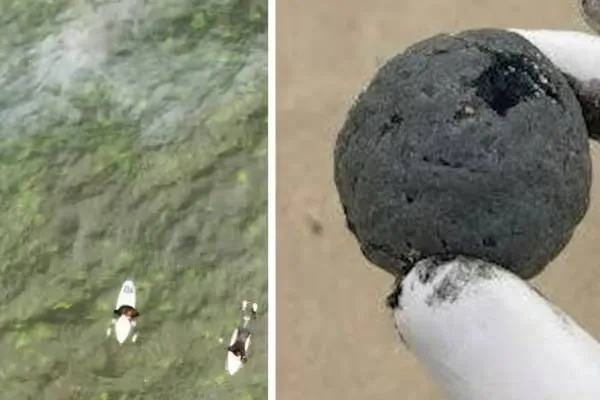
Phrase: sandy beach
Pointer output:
(335, 339)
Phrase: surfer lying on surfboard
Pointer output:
(125, 314)
(238, 348)
(128, 311)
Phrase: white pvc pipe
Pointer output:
(574, 53)
(485, 334)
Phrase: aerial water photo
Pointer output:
(133, 199)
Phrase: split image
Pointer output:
(432, 229)
(437, 205)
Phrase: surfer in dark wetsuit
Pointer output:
(238, 348)
(130, 312)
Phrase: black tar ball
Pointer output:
(472, 144)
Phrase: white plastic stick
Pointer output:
(574, 53)
(483, 333)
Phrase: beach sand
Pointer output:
(335, 339)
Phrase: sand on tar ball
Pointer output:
(470, 144)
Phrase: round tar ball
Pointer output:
(469, 144)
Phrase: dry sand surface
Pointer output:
(335, 340)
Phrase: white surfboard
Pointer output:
(123, 328)
(233, 363)
(126, 295)
(483, 333)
